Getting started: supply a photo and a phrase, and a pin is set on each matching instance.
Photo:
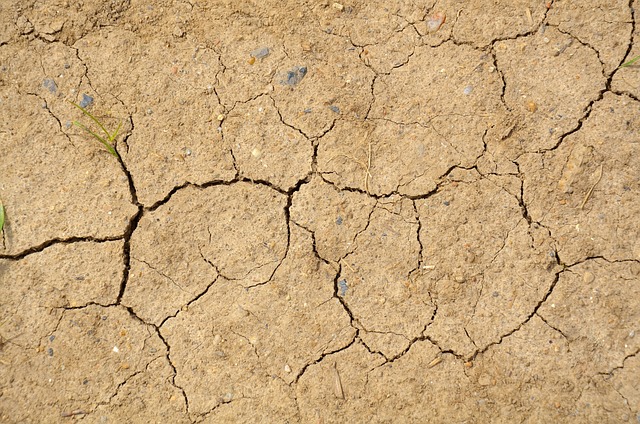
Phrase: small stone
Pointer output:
(287, 368)
(459, 278)
(532, 106)
(342, 285)
(588, 277)
(295, 75)
(467, 90)
(220, 117)
(178, 32)
(255, 153)
(435, 21)
(50, 351)
(260, 53)
(86, 101)
(338, 6)
(50, 84)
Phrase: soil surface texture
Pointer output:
(320, 211)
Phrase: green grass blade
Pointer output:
(93, 118)
(630, 62)
(115, 134)
(104, 142)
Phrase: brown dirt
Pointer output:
(437, 223)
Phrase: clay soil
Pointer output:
(349, 212)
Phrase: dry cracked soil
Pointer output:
(320, 212)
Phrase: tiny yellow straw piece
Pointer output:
(584, 202)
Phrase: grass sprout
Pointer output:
(630, 62)
(107, 141)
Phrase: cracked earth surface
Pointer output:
(437, 223)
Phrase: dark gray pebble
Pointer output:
(342, 284)
(50, 85)
(295, 75)
(86, 101)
